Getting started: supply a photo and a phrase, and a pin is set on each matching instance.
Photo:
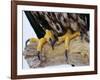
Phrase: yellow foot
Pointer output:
(61, 39)
(74, 35)
(31, 40)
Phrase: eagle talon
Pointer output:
(72, 65)
(26, 43)
(31, 40)
(40, 56)
(66, 54)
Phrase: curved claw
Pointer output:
(72, 65)
(31, 40)
(26, 43)
(66, 54)
(40, 56)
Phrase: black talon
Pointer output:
(72, 65)
(26, 43)
(38, 54)
(66, 54)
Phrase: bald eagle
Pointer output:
(57, 27)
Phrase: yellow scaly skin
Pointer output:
(66, 38)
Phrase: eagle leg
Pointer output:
(74, 35)
(41, 42)
(67, 41)
(48, 37)
(61, 39)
